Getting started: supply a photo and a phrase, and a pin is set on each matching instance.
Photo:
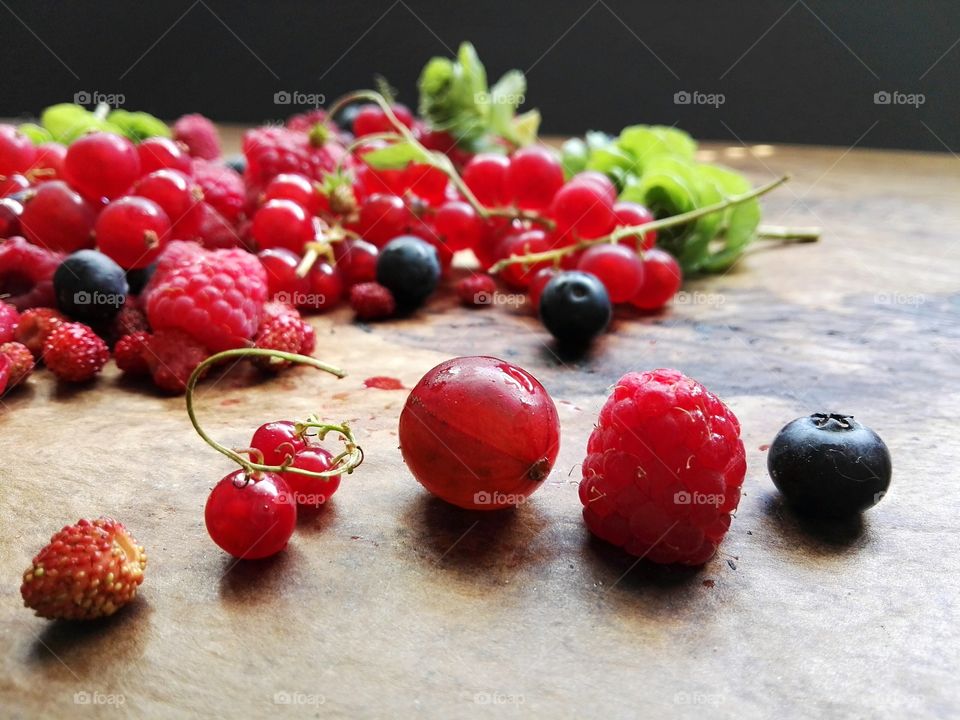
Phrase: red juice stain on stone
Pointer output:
(708, 583)
(381, 382)
(764, 447)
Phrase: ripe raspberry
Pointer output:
(130, 354)
(172, 356)
(199, 135)
(35, 327)
(372, 301)
(74, 352)
(89, 570)
(281, 333)
(21, 362)
(216, 296)
(129, 320)
(664, 468)
(216, 232)
(271, 151)
(304, 122)
(9, 317)
(222, 186)
(26, 273)
(477, 289)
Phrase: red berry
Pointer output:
(10, 184)
(283, 333)
(326, 288)
(599, 180)
(486, 176)
(382, 218)
(617, 267)
(49, 163)
(533, 178)
(251, 518)
(17, 152)
(271, 151)
(159, 153)
(10, 212)
(88, 570)
(199, 135)
(297, 188)
(584, 209)
(21, 362)
(312, 492)
(309, 339)
(283, 285)
(132, 231)
(9, 317)
(458, 226)
(664, 468)
(282, 223)
(479, 432)
(662, 278)
(629, 214)
(178, 196)
(130, 354)
(426, 182)
(5, 366)
(477, 289)
(101, 165)
(277, 440)
(538, 281)
(74, 352)
(372, 301)
(172, 356)
(57, 218)
(356, 261)
(216, 232)
(35, 326)
(222, 186)
(26, 273)
(372, 119)
(518, 275)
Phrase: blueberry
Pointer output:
(829, 465)
(238, 162)
(138, 279)
(409, 268)
(575, 307)
(90, 287)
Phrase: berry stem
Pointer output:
(628, 231)
(789, 234)
(345, 462)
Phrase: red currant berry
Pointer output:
(617, 267)
(356, 261)
(426, 182)
(479, 433)
(101, 165)
(533, 178)
(326, 288)
(57, 218)
(584, 208)
(276, 440)
(494, 231)
(10, 184)
(178, 196)
(49, 163)
(662, 278)
(458, 225)
(10, 212)
(538, 281)
(251, 519)
(372, 119)
(382, 218)
(132, 231)
(597, 179)
(157, 153)
(486, 176)
(476, 290)
(298, 188)
(518, 275)
(312, 492)
(17, 151)
(282, 223)
(283, 285)
(629, 214)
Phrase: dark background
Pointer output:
(801, 71)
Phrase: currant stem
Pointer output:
(628, 231)
(345, 462)
(789, 234)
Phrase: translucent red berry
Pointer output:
(312, 492)
(458, 226)
(17, 152)
(132, 231)
(101, 165)
(276, 440)
(517, 275)
(295, 187)
(662, 278)
(583, 207)
(178, 196)
(631, 213)
(382, 218)
(284, 224)
(617, 267)
(57, 218)
(251, 518)
(533, 178)
(486, 176)
(157, 153)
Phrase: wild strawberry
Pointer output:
(35, 326)
(26, 273)
(21, 362)
(372, 301)
(281, 333)
(130, 354)
(89, 570)
(74, 352)
(8, 321)
(172, 356)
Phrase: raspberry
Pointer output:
(216, 296)
(281, 333)
(199, 135)
(271, 151)
(21, 362)
(216, 232)
(9, 317)
(664, 469)
(88, 570)
(372, 301)
(129, 320)
(172, 356)
(222, 186)
(74, 352)
(35, 326)
(477, 289)
(26, 273)
(304, 122)
(130, 354)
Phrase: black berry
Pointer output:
(410, 269)
(575, 307)
(238, 162)
(90, 287)
(829, 465)
(138, 279)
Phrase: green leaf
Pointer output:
(524, 128)
(574, 154)
(397, 156)
(739, 223)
